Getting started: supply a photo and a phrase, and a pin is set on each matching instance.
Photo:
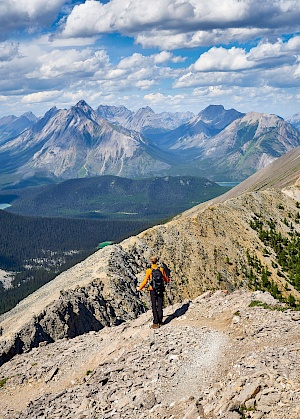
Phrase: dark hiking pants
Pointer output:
(157, 307)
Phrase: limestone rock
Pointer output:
(192, 367)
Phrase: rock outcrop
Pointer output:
(220, 355)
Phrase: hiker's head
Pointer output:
(154, 260)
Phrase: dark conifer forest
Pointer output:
(36, 249)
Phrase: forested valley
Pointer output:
(36, 249)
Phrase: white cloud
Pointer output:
(20, 14)
(51, 42)
(145, 84)
(267, 51)
(213, 78)
(170, 24)
(41, 96)
(166, 56)
(60, 63)
(171, 40)
(223, 59)
(268, 63)
(8, 51)
(137, 60)
(160, 98)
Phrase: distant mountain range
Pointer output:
(295, 120)
(11, 126)
(82, 142)
(145, 120)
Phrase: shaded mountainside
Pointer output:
(113, 197)
(250, 240)
(295, 120)
(281, 174)
(251, 143)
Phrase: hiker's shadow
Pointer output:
(177, 313)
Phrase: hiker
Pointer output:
(155, 278)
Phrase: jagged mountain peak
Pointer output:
(295, 120)
(218, 116)
(30, 116)
(84, 107)
(81, 104)
(81, 111)
(145, 111)
(112, 110)
(7, 119)
(147, 108)
(52, 111)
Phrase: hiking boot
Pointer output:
(155, 326)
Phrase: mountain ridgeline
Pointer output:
(81, 142)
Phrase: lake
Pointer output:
(3, 206)
(230, 184)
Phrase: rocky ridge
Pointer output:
(218, 356)
(205, 249)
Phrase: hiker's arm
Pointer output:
(144, 283)
(166, 278)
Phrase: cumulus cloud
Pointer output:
(223, 59)
(39, 97)
(70, 57)
(160, 98)
(61, 63)
(276, 53)
(8, 50)
(165, 56)
(21, 14)
(138, 60)
(268, 63)
(145, 84)
(243, 98)
(172, 24)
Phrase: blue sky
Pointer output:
(174, 55)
